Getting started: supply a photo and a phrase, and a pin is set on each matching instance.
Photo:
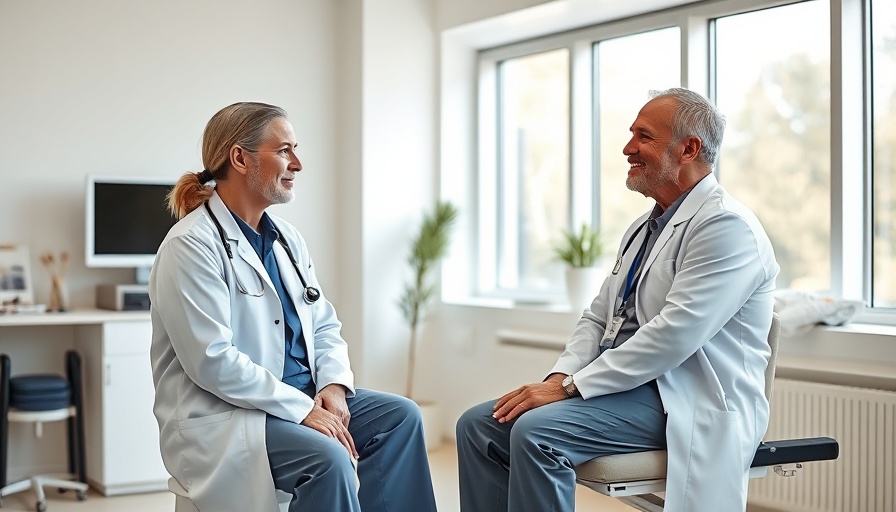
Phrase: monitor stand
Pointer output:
(141, 275)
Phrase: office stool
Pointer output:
(38, 399)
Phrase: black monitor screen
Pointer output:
(130, 218)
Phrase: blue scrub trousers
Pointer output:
(392, 467)
(526, 465)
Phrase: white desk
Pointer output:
(122, 435)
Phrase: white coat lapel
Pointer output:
(686, 210)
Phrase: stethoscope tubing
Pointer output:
(310, 294)
(628, 244)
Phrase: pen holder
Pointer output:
(58, 291)
(58, 295)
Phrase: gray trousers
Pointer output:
(392, 467)
(527, 464)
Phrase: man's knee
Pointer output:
(530, 429)
(332, 459)
(408, 409)
(474, 419)
(402, 411)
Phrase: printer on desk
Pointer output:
(122, 297)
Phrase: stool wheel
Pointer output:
(82, 495)
(41, 506)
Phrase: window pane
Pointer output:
(883, 58)
(883, 62)
(622, 91)
(533, 168)
(773, 85)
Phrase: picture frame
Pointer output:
(16, 286)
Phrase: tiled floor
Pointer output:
(444, 474)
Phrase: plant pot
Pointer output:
(432, 428)
(583, 285)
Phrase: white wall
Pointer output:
(399, 168)
(346, 200)
(125, 88)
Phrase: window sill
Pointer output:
(510, 304)
(825, 368)
(834, 371)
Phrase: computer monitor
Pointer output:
(126, 220)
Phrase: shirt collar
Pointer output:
(263, 239)
(658, 218)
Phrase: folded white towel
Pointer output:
(799, 311)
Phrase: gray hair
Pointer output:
(696, 117)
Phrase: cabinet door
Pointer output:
(131, 457)
(131, 434)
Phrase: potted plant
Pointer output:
(581, 251)
(427, 248)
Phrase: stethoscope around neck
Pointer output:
(310, 295)
(628, 244)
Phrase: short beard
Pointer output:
(270, 190)
(649, 182)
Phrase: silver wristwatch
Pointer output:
(569, 386)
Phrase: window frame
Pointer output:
(851, 128)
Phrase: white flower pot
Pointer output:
(583, 285)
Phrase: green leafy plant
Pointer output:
(580, 249)
(427, 248)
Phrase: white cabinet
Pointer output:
(122, 434)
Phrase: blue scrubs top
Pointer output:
(296, 370)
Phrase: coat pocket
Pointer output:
(206, 441)
(204, 420)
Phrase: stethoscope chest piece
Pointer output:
(311, 294)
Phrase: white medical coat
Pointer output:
(704, 303)
(217, 358)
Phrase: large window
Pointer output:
(811, 153)
(883, 58)
(775, 94)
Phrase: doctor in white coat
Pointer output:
(670, 354)
(253, 385)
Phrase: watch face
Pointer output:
(567, 381)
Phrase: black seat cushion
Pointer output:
(39, 392)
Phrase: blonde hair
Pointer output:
(243, 124)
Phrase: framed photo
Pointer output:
(15, 275)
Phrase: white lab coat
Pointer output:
(217, 358)
(704, 303)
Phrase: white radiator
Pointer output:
(863, 478)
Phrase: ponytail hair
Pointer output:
(243, 124)
(189, 193)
